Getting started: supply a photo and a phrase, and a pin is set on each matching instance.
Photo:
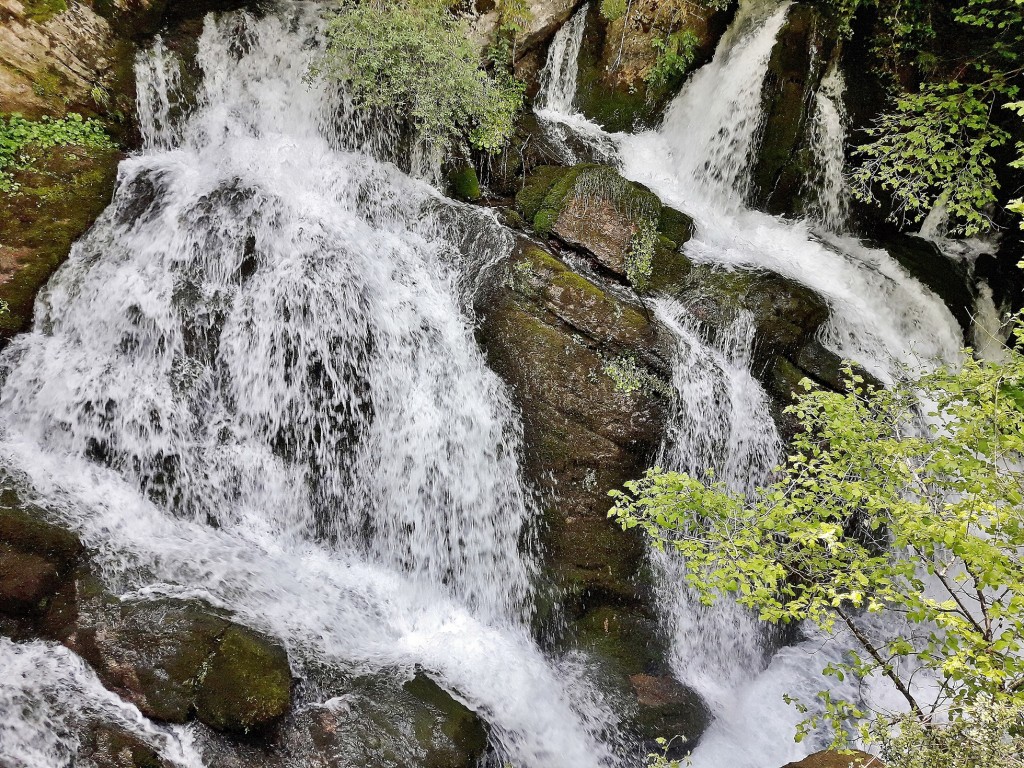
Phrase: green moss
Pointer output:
(613, 9)
(54, 205)
(464, 184)
(246, 685)
(42, 10)
(465, 733)
(669, 267)
(554, 201)
(535, 189)
(26, 528)
(675, 225)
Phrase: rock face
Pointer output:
(803, 52)
(829, 759)
(174, 659)
(619, 54)
(623, 225)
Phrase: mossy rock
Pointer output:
(832, 759)
(246, 683)
(27, 528)
(108, 746)
(463, 183)
(55, 205)
(450, 733)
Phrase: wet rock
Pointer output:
(622, 224)
(830, 759)
(552, 333)
(177, 658)
(950, 279)
(463, 183)
(26, 581)
(806, 46)
(670, 710)
(619, 53)
(542, 22)
(382, 724)
(35, 557)
(107, 746)
(246, 683)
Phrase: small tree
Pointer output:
(415, 59)
(874, 513)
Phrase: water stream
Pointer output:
(255, 381)
(699, 161)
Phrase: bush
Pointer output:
(415, 58)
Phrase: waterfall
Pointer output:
(558, 78)
(255, 381)
(827, 186)
(698, 160)
(49, 696)
(990, 331)
(720, 422)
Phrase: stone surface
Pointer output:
(806, 46)
(107, 746)
(594, 209)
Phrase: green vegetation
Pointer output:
(630, 377)
(640, 256)
(415, 59)
(676, 54)
(872, 513)
(43, 10)
(613, 9)
(22, 141)
(939, 145)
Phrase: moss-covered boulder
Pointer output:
(108, 746)
(57, 201)
(36, 557)
(462, 182)
(245, 683)
(623, 81)
(806, 46)
(622, 224)
(176, 659)
(670, 710)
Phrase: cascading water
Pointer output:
(698, 161)
(558, 78)
(254, 382)
(830, 201)
(720, 422)
(40, 729)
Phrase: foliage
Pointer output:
(22, 141)
(676, 54)
(630, 377)
(640, 257)
(936, 146)
(874, 513)
(984, 734)
(612, 9)
(416, 59)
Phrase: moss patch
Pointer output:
(56, 202)
(464, 184)
(42, 10)
(247, 684)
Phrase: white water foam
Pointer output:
(254, 381)
(49, 695)
(830, 199)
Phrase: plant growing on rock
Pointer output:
(415, 59)
(874, 516)
(22, 141)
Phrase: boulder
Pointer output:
(107, 746)
(831, 759)
(621, 224)
(670, 710)
(379, 723)
(175, 659)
